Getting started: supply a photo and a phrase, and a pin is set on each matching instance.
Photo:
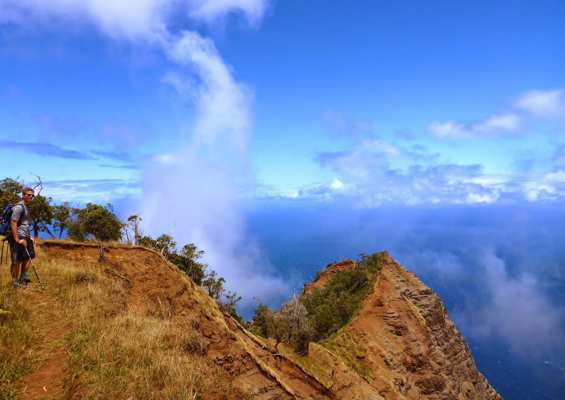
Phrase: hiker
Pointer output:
(20, 239)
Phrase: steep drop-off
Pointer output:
(400, 345)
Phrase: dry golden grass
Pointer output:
(348, 349)
(17, 337)
(139, 357)
(114, 351)
(319, 362)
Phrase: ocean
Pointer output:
(499, 270)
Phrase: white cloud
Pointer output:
(137, 20)
(448, 129)
(517, 311)
(210, 10)
(222, 104)
(372, 180)
(381, 146)
(199, 185)
(547, 187)
(498, 123)
(549, 104)
(485, 197)
(491, 127)
(543, 104)
(336, 184)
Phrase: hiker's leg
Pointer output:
(25, 267)
(26, 256)
(15, 272)
(15, 269)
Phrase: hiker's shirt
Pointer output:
(23, 216)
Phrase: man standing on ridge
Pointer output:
(20, 239)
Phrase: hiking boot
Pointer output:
(23, 285)
(26, 280)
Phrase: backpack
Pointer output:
(6, 218)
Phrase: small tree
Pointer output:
(131, 229)
(288, 324)
(227, 304)
(186, 260)
(94, 220)
(10, 192)
(214, 286)
(296, 315)
(61, 217)
(261, 320)
(41, 212)
(75, 228)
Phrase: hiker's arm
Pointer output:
(14, 229)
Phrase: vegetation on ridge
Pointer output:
(322, 312)
(98, 223)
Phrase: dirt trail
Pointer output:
(50, 349)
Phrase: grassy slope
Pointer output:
(111, 350)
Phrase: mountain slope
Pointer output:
(400, 345)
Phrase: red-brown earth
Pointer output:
(400, 345)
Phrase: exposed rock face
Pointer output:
(400, 345)
(411, 346)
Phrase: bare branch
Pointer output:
(39, 184)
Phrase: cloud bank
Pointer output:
(377, 172)
(517, 311)
(374, 172)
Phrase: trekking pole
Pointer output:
(4, 244)
(34, 270)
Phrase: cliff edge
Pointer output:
(400, 344)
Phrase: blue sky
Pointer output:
(329, 91)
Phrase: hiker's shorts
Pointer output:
(18, 251)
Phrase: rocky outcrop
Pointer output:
(400, 345)
(412, 348)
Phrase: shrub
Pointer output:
(324, 311)
(331, 307)
(260, 322)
